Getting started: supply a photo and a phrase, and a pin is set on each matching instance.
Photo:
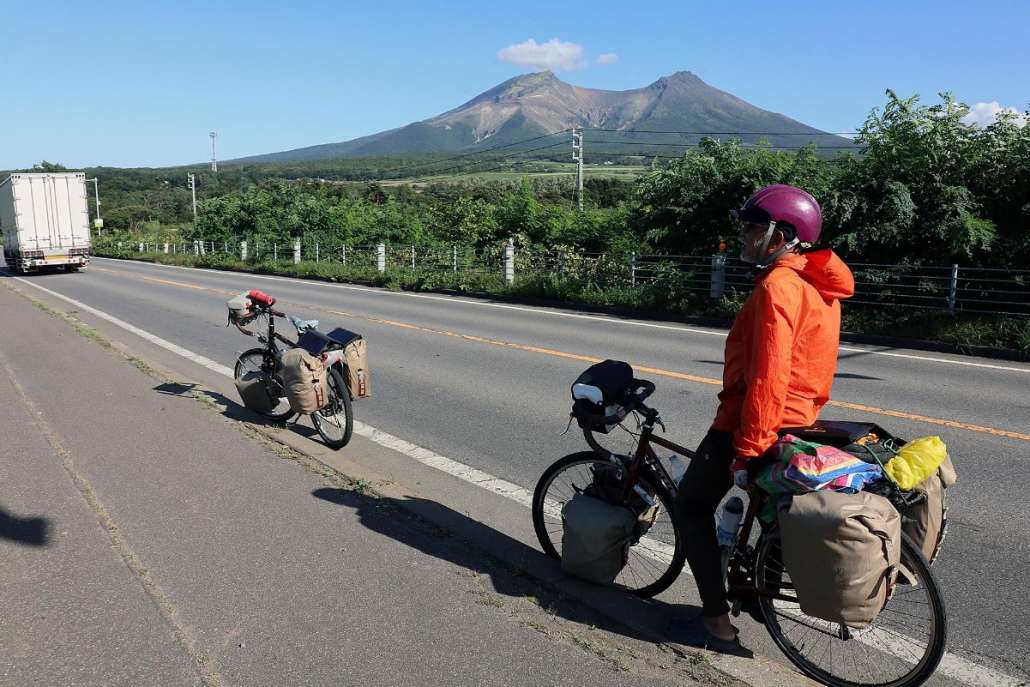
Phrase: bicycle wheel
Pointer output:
(335, 422)
(254, 361)
(656, 556)
(901, 648)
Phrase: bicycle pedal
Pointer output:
(735, 608)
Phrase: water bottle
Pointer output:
(677, 468)
(729, 522)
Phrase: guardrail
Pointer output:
(952, 288)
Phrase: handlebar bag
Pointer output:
(600, 391)
(926, 521)
(305, 378)
(842, 553)
(596, 537)
(239, 307)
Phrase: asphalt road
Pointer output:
(146, 541)
(488, 385)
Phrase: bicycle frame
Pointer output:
(740, 573)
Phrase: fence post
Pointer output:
(454, 259)
(413, 258)
(718, 275)
(296, 251)
(381, 258)
(633, 269)
(275, 252)
(509, 262)
(316, 251)
(141, 248)
(166, 248)
(953, 290)
(243, 251)
(343, 254)
(225, 246)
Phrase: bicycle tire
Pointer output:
(913, 560)
(277, 414)
(338, 393)
(645, 547)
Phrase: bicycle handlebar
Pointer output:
(641, 389)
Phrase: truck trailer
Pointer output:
(44, 220)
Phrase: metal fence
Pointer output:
(953, 288)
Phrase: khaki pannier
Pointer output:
(926, 521)
(596, 537)
(359, 380)
(254, 393)
(842, 553)
(305, 379)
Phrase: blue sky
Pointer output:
(142, 83)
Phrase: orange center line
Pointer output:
(671, 374)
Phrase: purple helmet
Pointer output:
(785, 204)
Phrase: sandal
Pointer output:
(694, 633)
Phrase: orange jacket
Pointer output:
(781, 353)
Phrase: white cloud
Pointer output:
(555, 55)
(607, 58)
(983, 114)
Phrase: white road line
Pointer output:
(556, 313)
(951, 665)
(905, 648)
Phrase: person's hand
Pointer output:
(740, 478)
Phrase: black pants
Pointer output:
(702, 489)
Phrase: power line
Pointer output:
(495, 159)
(474, 153)
(724, 133)
(696, 145)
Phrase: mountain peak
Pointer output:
(538, 103)
(681, 78)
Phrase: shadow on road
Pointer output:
(839, 375)
(233, 409)
(439, 531)
(28, 531)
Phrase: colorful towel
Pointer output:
(800, 466)
(816, 466)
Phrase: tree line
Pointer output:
(924, 188)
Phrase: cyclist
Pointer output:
(780, 359)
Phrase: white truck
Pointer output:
(44, 220)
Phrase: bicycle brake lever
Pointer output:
(660, 423)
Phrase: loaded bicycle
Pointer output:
(901, 648)
(259, 371)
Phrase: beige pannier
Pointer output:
(305, 380)
(926, 521)
(359, 380)
(842, 553)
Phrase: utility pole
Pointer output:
(98, 223)
(577, 157)
(214, 160)
(191, 181)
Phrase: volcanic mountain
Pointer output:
(533, 105)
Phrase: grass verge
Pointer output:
(673, 296)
